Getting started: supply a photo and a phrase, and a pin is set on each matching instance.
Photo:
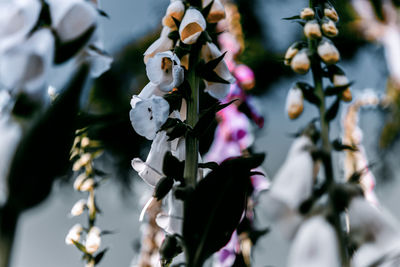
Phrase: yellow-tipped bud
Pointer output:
(78, 208)
(328, 52)
(300, 62)
(294, 102)
(312, 30)
(341, 80)
(74, 234)
(329, 28)
(307, 13)
(290, 53)
(93, 240)
(87, 185)
(331, 13)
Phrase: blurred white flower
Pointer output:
(375, 232)
(300, 62)
(164, 70)
(93, 240)
(162, 44)
(26, 65)
(74, 234)
(72, 18)
(210, 51)
(148, 115)
(192, 25)
(315, 245)
(173, 220)
(17, 19)
(78, 207)
(176, 10)
(87, 185)
(328, 52)
(291, 186)
(294, 102)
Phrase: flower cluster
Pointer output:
(84, 151)
(35, 34)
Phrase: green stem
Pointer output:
(8, 226)
(327, 149)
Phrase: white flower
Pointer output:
(93, 240)
(192, 25)
(376, 232)
(294, 102)
(78, 207)
(87, 185)
(72, 18)
(300, 62)
(217, 11)
(291, 186)
(328, 52)
(312, 30)
(329, 28)
(148, 115)
(17, 19)
(315, 245)
(176, 9)
(162, 44)
(307, 13)
(172, 222)
(210, 51)
(74, 234)
(26, 65)
(164, 70)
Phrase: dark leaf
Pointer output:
(216, 206)
(79, 246)
(100, 256)
(292, 18)
(208, 165)
(301, 22)
(339, 146)
(163, 186)
(174, 35)
(177, 22)
(333, 110)
(67, 50)
(212, 64)
(255, 235)
(103, 13)
(183, 193)
(175, 128)
(332, 90)
(181, 51)
(207, 9)
(107, 232)
(308, 93)
(332, 70)
(170, 248)
(172, 167)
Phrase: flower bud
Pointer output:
(93, 240)
(87, 185)
(331, 13)
(307, 13)
(217, 11)
(85, 142)
(79, 181)
(341, 80)
(294, 102)
(329, 28)
(300, 62)
(290, 53)
(192, 25)
(328, 52)
(74, 234)
(176, 9)
(312, 30)
(82, 161)
(346, 95)
(78, 208)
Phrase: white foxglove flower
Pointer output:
(26, 65)
(72, 18)
(315, 245)
(210, 51)
(376, 232)
(291, 186)
(148, 115)
(17, 19)
(217, 11)
(74, 234)
(78, 207)
(307, 13)
(301, 62)
(329, 28)
(192, 25)
(162, 44)
(176, 9)
(172, 222)
(164, 70)
(290, 53)
(312, 30)
(328, 52)
(294, 102)
(93, 240)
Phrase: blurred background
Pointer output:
(131, 27)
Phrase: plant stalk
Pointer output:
(327, 149)
(8, 226)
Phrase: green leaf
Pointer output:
(174, 100)
(100, 256)
(174, 35)
(308, 93)
(170, 248)
(79, 246)
(177, 22)
(212, 64)
(66, 50)
(212, 76)
(333, 110)
(292, 18)
(103, 13)
(336, 90)
(339, 146)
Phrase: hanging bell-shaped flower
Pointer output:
(192, 25)
(301, 62)
(74, 235)
(290, 53)
(217, 90)
(294, 102)
(217, 11)
(329, 28)
(312, 30)
(165, 70)
(315, 245)
(331, 13)
(328, 52)
(162, 44)
(78, 207)
(93, 240)
(307, 13)
(175, 10)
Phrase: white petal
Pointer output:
(162, 44)
(149, 115)
(172, 223)
(147, 173)
(176, 9)
(192, 25)
(145, 208)
(315, 245)
(149, 90)
(217, 11)
(72, 18)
